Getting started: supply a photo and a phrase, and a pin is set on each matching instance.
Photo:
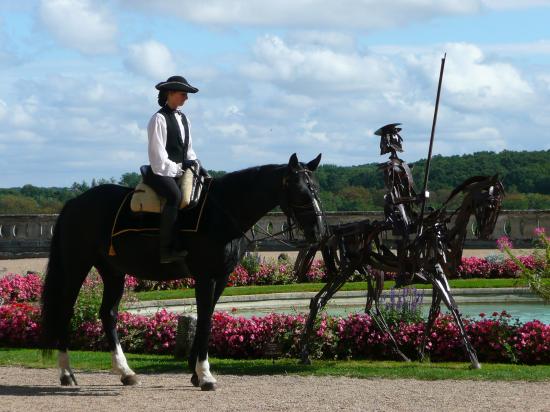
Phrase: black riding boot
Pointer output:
(168, 253)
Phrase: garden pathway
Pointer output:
(36, 389)
(30, 389)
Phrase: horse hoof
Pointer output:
(475, 365)
(67, 380)
(195, 380)
(130, 380)
(208, 386)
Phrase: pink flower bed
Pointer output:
(19, 325)
(474, 267)
(18, 288)
(495, 338)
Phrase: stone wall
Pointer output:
(23, 236)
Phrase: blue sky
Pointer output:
(275, 78)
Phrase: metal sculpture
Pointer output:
(428, 249)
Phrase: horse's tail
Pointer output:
(52, 292)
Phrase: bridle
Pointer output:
(296, 211)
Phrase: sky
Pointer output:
(274, 78)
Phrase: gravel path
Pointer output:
(36, 389)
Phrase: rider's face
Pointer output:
(176, 98)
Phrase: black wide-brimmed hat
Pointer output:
(176, 83)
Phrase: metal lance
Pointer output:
(427, 169)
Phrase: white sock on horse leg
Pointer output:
(203, 372)
(119, 363)
(64, 363)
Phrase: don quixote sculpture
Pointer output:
(428, 248)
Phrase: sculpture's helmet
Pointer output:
(390, 140)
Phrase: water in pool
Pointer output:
(523, 311)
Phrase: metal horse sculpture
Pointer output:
(234, 203)
(429, 257)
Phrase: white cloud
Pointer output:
(232, 130)
(514, 4)
(347, 14)
(329, 39)
(317, 68)
(151, 59)
(80, 24)
(473, 82)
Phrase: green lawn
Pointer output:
(315, 287)
(359, 369)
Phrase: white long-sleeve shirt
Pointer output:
(158, 156)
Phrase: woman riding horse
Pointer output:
(232, 205)
(170, 146)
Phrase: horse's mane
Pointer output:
(245, 176)
(465, 184)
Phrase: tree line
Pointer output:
(525, 175)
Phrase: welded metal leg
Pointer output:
(373, 296)
(434, 313)
(441, 283)
(303, 262)
(319, 302)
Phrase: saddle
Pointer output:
(191, 183)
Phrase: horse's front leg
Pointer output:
(434, 313)
(441, 283)
(207, 293)
(113, 288)
(318, 302)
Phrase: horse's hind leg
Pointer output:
(445, 290)
(113, 288)
(70, 294)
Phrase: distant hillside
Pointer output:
(526, 178)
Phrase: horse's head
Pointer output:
(486, 198)
(300, 198)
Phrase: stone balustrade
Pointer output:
(29, 235)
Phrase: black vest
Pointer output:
(175, 145)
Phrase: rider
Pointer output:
(401, 196)
(170, 145)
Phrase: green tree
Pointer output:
(130, 179)
(17, 204)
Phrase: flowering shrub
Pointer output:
(537, 275)
(139, 285)
(17, 288)
(19, 325)
(317, 272)
(531, 343)
(137, 333)
(492, 336)
(239, 277)
(491, 268)
(496, 338)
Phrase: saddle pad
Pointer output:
(145, 198)
(128, 221)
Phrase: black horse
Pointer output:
(83, 237)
